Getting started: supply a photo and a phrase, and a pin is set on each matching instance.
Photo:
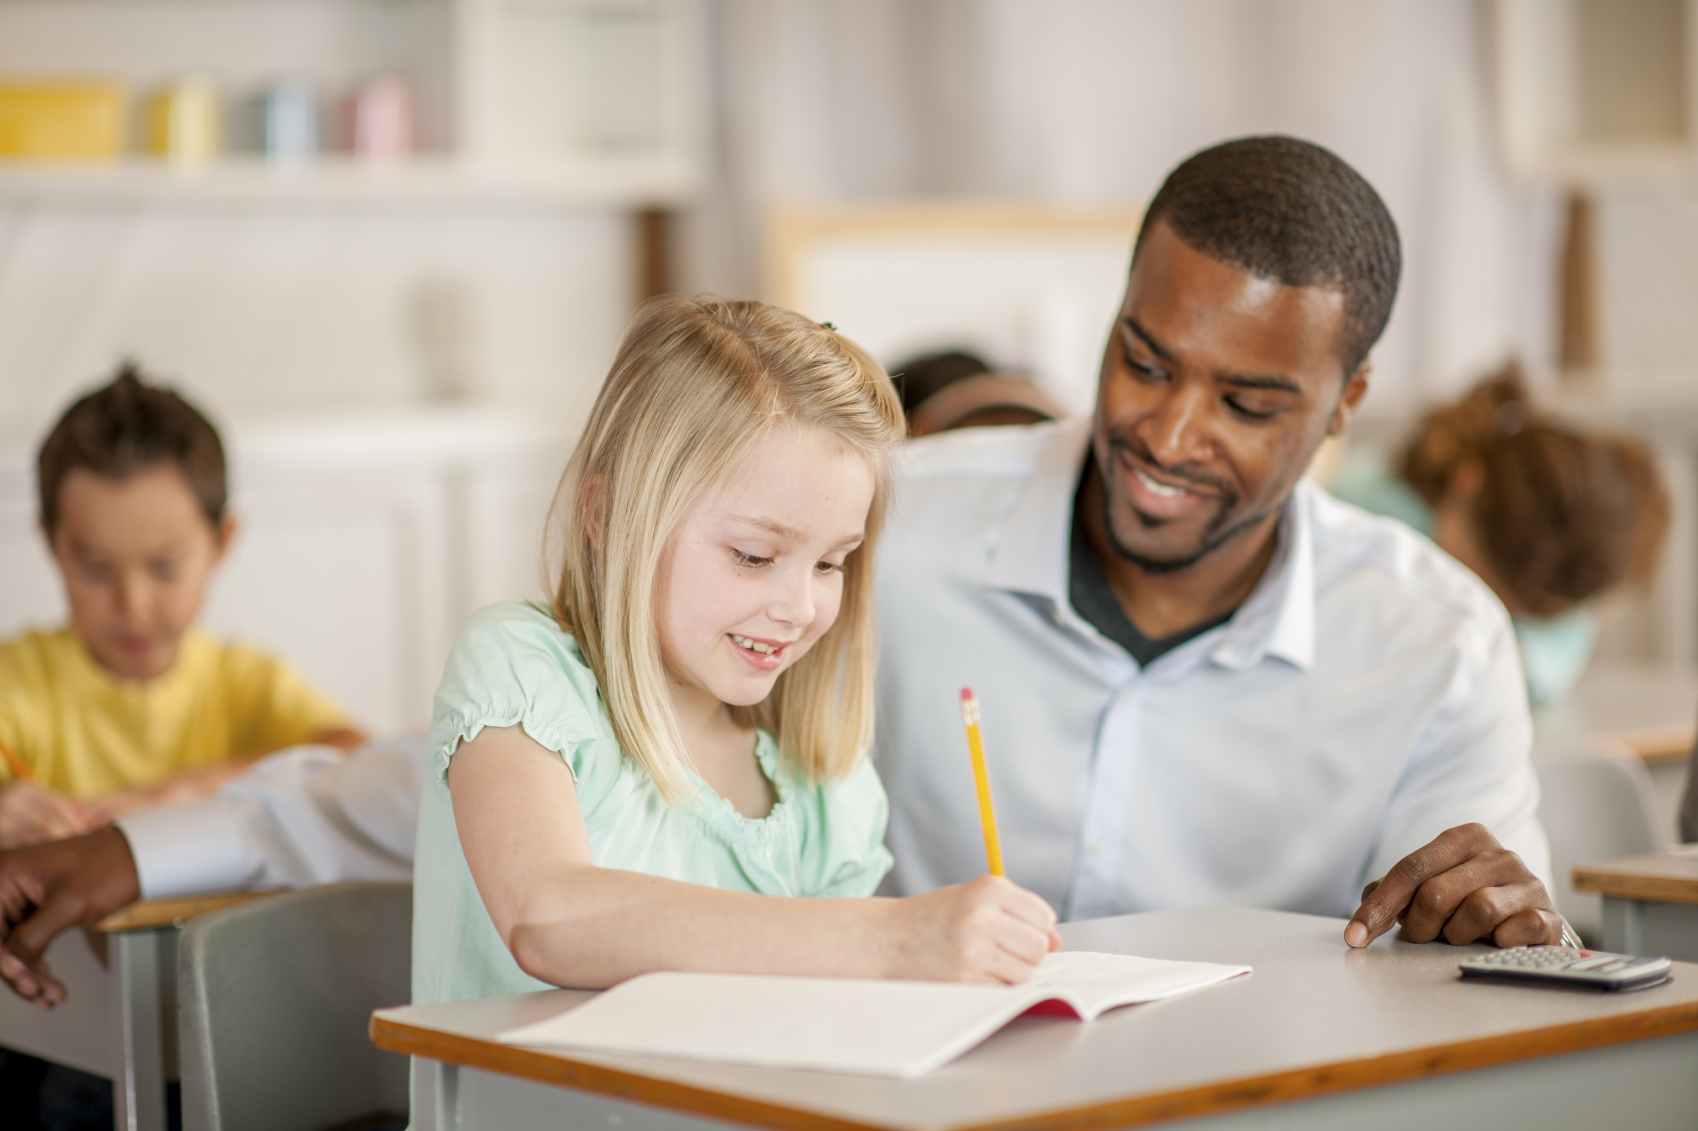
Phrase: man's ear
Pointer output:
(1354, 390)
(592, 503)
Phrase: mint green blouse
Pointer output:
(513, 664)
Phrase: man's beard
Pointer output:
(1220, 530)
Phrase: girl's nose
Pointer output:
(794, 604)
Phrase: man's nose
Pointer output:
(1177, 431)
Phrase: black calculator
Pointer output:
(1565, 966)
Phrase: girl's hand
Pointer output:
(988, 930)
(31, 814)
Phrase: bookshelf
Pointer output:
(515, 101)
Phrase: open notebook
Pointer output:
(873, 1028)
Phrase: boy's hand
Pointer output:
(988, 930)
(190, 785)
(48, 887)
(32, 813)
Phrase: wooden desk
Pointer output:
(1387, 1037)
(1650, 902)
(1652, 709)
(119, 1018)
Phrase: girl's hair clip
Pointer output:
(832, 326)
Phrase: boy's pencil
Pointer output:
(987, 813)
(19, 770)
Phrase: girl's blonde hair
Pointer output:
(695, 386)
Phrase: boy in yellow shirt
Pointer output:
(132, 705)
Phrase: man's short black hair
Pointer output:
(127, 427)
(1289, 211)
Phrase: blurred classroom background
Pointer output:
(390, 244)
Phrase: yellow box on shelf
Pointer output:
(182, 121)
(62, 120)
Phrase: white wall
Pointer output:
(1093, 101)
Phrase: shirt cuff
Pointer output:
(187, 849)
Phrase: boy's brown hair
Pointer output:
(1561, 516)
(130, 426)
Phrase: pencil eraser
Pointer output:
(966, 693)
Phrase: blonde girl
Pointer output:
(653, 770)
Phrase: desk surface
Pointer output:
(1650, 708)
(1314, 1017)
(1661, 878)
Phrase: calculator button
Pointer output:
(1592, 963)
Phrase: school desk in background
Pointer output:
(62, 120)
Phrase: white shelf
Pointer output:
(630, 182)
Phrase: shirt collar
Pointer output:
(1031, 556)
(1277, 618)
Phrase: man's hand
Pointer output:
(31, 813)
(48, 887)
(1465, 886)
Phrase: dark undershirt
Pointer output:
(1093, 598)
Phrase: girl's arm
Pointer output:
(571, 923)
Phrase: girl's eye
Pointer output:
(829, 567)
(749, 559)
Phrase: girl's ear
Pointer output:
(592, 506)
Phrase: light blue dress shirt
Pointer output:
(1365, 697)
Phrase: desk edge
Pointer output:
(151, 914)
(1213, 1098)
(1629, 885)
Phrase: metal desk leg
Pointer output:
(436, 1095)
(1624, 925)
(138, 1088)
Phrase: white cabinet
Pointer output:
(1593, 89)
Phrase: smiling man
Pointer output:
(1203, 680)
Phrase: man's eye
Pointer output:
(750, 559)
(94, 573)
(164, 571)
(1250, 412)
(1148, 372)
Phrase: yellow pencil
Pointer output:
(987, 812)
(19, 770)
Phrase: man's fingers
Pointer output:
(1472, 885)
(18, 975)
(30, 939)
(1381, 907)
(1531, 927)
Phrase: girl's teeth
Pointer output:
(753, 645)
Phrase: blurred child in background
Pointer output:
(131, 705)
(1548, 517)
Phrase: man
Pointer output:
(304, 816)
(1203, 681)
